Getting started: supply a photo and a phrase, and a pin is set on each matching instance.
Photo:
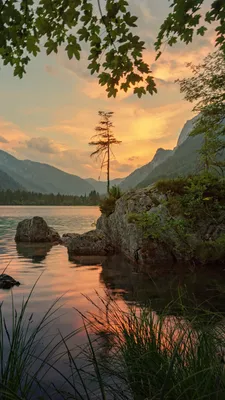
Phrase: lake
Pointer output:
(79, 280)
(74, 280)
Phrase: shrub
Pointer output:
(195, 197)
(174, 186)
(115, 192)
(108, 204)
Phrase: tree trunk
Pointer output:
(108, 164)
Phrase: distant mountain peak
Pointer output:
(186, 130)
(141, 173)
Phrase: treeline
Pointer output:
(21, 197)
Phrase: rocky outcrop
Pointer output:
(7, 282)
(36, 230)
(147, 229)
(127, 237)
(67, 238)
(91, 243)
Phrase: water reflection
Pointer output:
(77, 261)
(181, 286)
(36, 252)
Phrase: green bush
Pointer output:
(107, 205)
(174, 186)
(115, 192)
(196, 197)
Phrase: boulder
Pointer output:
(67, 238)
(36, 230)
(93, 243)
(7, 282)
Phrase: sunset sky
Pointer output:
(50, 115)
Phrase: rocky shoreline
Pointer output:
(141, 228)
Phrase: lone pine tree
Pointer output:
(103, 141)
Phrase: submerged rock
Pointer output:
(91, 243)
(36, 230)
(7, 282)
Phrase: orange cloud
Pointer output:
(13, 135)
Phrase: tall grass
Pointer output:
(163, 357)
(27, 351)
(129, 354)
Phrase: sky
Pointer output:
(50, 114)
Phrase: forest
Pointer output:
(22, 197)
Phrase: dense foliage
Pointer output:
(196, 197)
(188, 17)
(206, 88)
(115, 52)
(21, 197)
(190, 219)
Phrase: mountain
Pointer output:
(38, 177)
(141, 173)
(184, 161)
(164, 159)
(101, 186)
(187, 128)
(6, 182)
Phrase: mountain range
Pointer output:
(44, 178)
(38, 177)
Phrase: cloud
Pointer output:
(134, 158)
(120, 167)
(15, 136)
(3, 140)
(42, 145)
(51, 70)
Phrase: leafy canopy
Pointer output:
(206, 88)
(188, 17)
(115, 51)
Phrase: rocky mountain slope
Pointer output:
(6, 182)
(185, 160)
(44, 178)
(141, 174)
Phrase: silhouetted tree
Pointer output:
(103, 141)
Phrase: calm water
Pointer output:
(74, 280)
(81, 278)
